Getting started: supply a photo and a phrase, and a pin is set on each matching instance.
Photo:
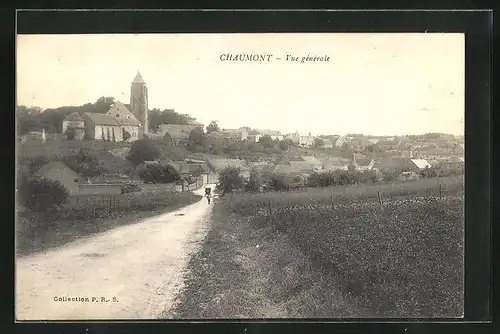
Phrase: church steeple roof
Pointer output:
(138, 79)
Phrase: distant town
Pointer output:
(182, 138)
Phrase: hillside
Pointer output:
(56, 147)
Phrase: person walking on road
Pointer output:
(208, 193)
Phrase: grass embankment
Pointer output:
(39, 232)
(328, 253)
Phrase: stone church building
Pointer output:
(119, 123)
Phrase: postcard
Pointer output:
(240, 176)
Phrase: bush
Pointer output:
(277, 182)
(428, 172)
(42, 195)
(142, 150)
(92, 169)
(130, 188)
(70, 134)
(85, 163)
(126, 135)
(230, 179)
(389, 175)
(284, 145)
(254, 183)
(340, 178)
(37, 162)
(167, 139)
(22, 176)
(158, 173)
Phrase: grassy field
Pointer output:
(39, 232)
(344, 253)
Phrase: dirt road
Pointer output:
(132, 272)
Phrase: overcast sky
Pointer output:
(380, 84)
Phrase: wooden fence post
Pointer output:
(270, 209)
(380, 200)
(77, 203)
(440, 191)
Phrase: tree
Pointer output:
(37, 162)
(318, 142)
(28, 119)
(142, 150)
(212, 127)
(85, 163)
(197, 140)
(351, 168)
(158, 117)
(167, 138)
(230, 179)
(102, 105)
(277, 182)
(92, 169)
(126, 135)
(389, 175)
(284, 145)
(158, 173)
(266, 141)
(41, 195)
(428, 172)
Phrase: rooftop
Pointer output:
(138, 78)
(101, 119)
(55, 165)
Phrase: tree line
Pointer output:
(30, 119)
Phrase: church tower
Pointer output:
(139, 101)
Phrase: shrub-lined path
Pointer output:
(141, 265)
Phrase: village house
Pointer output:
(102, 127)
(76, 123)
(362, 164)
(127, 121)
(74, 183)
(294, 137)
(343, 140)
(57, 171)
(118, 121)
(253, 138)
(333, 164)
(307, 141)
(327, 143)
(235, 134)
(402, 164)
(373, 141)
(187, 169)
(179, 133)
(268, 132)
